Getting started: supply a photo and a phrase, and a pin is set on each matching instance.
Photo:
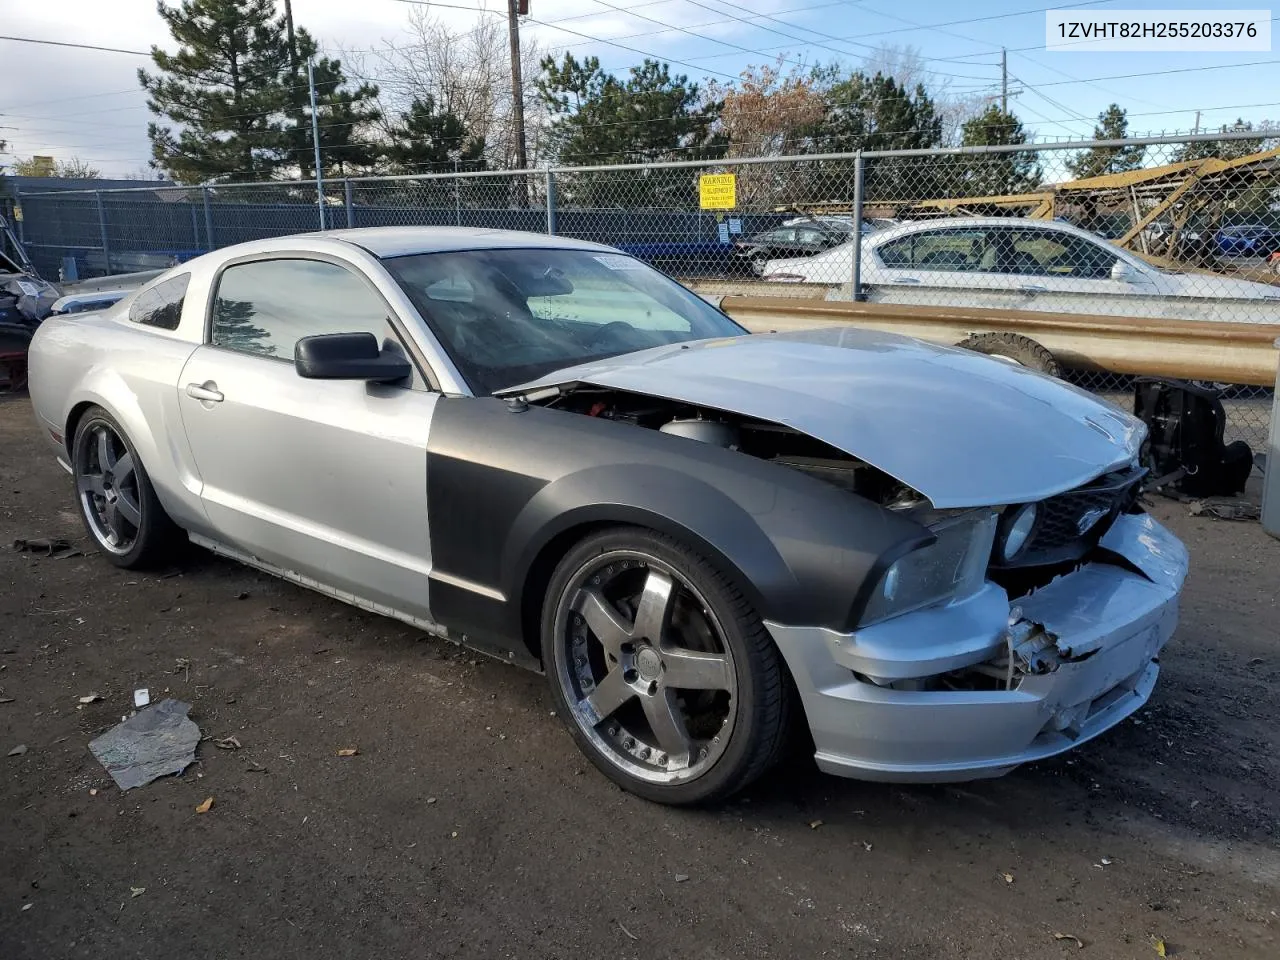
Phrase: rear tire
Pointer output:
(1014, 347)
(664, 675)
(115, 499)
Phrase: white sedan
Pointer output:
(1025, 264)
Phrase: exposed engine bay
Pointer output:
(768, 441)
(1065, 536)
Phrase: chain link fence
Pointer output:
(1180, 229)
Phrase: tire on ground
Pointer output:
(1013, 346)
(766, 709)
(159, 539)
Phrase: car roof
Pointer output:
(404, 241)
(961, 223)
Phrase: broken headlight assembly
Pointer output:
(952, 566)
(1014, 531)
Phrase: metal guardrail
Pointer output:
(1227, 352)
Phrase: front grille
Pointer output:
(1070, 524)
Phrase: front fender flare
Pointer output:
(659, 498)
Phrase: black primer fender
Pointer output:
(504, 482)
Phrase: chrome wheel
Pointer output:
(107, 488)
(644, 667)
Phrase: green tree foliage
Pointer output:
(994, 174)
(597, 118)
(347, 116)
(1113, 124)
(429, 140)
(238, 109)
(876, 113)
(73, 169)
(223, 88)
(1225, 149)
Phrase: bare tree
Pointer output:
(72, 169)
(466, 73)
(905, 65)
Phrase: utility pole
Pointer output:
(293, 44)
(315, 139)
(293, 71)
(1197, 127)
(1004, 80)
(514, 9)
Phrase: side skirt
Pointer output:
(428, 626)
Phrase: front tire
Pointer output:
(116, 501)
(665, 676)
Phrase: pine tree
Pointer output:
(596, 118)
(346, 117)
(1227, 149)
(238, 93)
(995, 174)
(1113, 124)
(878, 113)
(226, 88)
(428, 140)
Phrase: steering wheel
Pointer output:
(613, 326)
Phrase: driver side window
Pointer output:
(1056, 253)
(264, 307)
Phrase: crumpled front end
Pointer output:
(980, 685)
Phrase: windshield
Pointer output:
(509, 316)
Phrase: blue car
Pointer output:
(1247, 240)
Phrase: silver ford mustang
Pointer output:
(546, 450)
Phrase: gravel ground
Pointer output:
(468, 826)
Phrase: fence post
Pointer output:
(102, 230)
(551, 202)
(208, 218)
(349, 195)
(855, 275)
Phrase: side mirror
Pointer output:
(348, 356)
(1123, 272)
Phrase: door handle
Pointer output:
(905, 280)
(206, 392)
(1033, 288)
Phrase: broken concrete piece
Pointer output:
(155, 742)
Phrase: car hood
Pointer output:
(961, 428)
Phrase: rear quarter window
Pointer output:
(161, 305)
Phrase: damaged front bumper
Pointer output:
(1054, 669)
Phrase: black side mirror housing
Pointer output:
(349, 356)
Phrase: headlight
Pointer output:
(954, 565)
(1015, 530)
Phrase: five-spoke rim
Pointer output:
(107, 485)
(645, 667)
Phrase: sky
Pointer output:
(66, 102)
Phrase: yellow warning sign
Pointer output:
(717, 191)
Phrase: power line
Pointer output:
(969, 20)
(78, 46)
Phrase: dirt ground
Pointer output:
(468, 826)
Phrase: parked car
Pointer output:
(547, 450)
(85, 302)
(798, 240)
(1032, 264)
(844, 223)
(1247, 240)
